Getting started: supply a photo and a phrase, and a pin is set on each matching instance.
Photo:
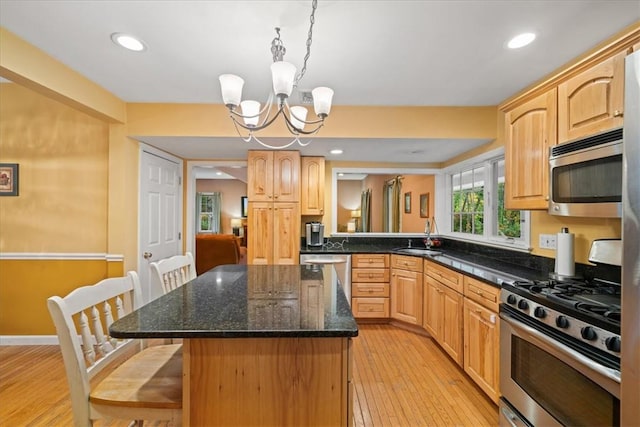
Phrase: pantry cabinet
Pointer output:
(273, 217)
(274, 236)
(592, 101)
(406, 289)
(273, 176)
(530, 129)
(370, 286)
(312, 185)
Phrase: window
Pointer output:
(208, 212)
(476, 204)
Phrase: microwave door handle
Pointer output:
(551, 344)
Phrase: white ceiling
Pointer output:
(396, 53)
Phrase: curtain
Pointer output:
(217, 208)
(392, 205)
(365, 211)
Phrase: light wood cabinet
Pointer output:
(482, 335)
(274, 233)
(592, 101)
(370, 286)
(312, 185)
(273, 219)
(273, 176)
(482, 347)
(530, 129)
(448, 277)
(406, 289)
(442, 308)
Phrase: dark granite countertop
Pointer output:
(502, 266)
(242, 301)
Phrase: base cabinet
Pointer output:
(370, 286)
(482, 347)
(443, 317)
(406, 289)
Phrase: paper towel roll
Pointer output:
(565, 261)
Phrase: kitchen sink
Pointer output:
(419, 251)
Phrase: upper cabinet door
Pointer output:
(312, 185)
(592, 101)
(260, 176)
(286, 176)
(530, 131)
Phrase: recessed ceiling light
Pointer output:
(336, 151)
(521, 40)
(128, 42)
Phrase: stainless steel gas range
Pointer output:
(560, 351)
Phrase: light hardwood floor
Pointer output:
(400, 378)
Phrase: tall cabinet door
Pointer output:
(260, 176)
(312, 185)
(260, 222)
(286, 240)
(286, 176)
(592, 101)
(530, 131)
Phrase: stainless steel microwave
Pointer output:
(585, 176)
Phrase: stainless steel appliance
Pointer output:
(585, 176)
(314, 234)
(341, 267)
(560, 349)
(630, 412)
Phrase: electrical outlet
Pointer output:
(547, 241)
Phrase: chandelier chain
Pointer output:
(312, 20)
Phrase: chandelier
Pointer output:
(253, 118)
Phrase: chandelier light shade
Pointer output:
(253, 117)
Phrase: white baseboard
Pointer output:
(28, 340)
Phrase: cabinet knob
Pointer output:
(275, 197)
(617, 113)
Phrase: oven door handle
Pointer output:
(543, 339)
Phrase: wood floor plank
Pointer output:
(400, 379)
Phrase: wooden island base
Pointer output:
(267, 382)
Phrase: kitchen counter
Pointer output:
(229, 302)
(275, 339)
(493, 271)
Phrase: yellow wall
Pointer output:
(62, 153)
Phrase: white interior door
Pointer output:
(160, 219)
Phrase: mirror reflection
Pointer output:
(384, 203)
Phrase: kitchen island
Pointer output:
(263, 345)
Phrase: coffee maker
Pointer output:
(314, 234)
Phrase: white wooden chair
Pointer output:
(174, 272)
(108, 377)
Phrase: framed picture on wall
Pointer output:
(8, 179)
(244, 206)
(407, 202)
(424, 205)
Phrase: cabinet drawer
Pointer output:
(370, 275)
(404, 262)
(370, 307)
(370, 260)
(482, 293)
(445, 276)
(370, 290)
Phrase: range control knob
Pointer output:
(523, 305)
(562, 322)
(588, 333)
(511, 299)
(540, 313)
(613, 344)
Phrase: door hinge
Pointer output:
(179, 236)
(179, 180)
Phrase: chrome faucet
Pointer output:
(427, 230)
